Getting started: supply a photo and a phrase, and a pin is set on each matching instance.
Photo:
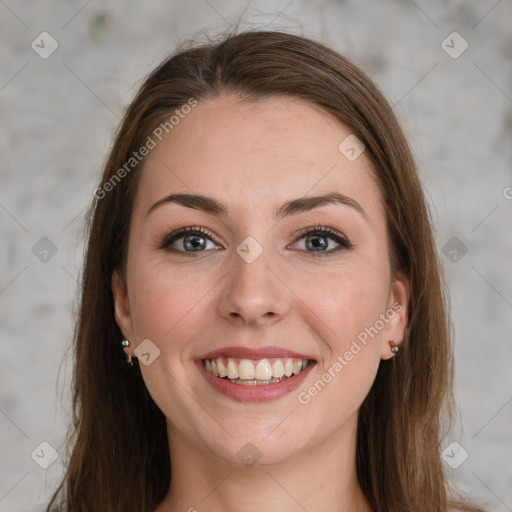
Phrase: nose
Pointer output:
(254, 293)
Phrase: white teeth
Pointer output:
(263, 370)
(277, 369)
(222, 368)
(232, 370)
(247, 371)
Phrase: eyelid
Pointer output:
(319, 228)
(168, 237)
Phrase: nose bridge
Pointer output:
(253, 293)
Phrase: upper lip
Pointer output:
(255, 353)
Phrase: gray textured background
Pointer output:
(60, 113)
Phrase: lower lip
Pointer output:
(257, 393)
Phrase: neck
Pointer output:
(322, 478)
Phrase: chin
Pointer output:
(256, 447)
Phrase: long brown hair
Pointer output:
(117, 443)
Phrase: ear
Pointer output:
(122, 309)
(396, 314)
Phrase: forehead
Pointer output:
(256, 154)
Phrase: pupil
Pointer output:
(192, 242)
(319, 245)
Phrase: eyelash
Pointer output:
(168, 239)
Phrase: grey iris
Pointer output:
(316, 244)
(194, 242)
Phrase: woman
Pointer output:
(261, 250)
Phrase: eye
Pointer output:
(188, 240)
(318, 240)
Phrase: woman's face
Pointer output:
(253, 290)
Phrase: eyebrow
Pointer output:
(292, 207)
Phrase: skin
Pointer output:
(254, 157)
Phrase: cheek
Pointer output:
(347, 301)
(342, 310)
(169, 308)
(164, 301)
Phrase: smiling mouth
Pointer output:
(250, 372)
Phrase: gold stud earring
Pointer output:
(395, 347)
(126, 343)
